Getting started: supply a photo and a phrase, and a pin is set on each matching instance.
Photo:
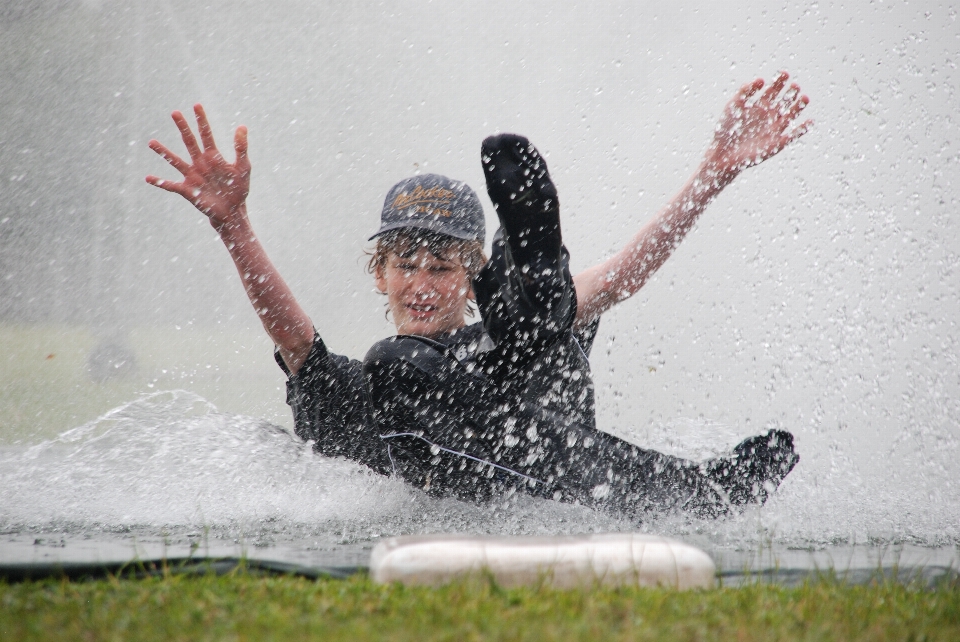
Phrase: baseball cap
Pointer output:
(435, 203)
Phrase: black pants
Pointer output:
(450, 431)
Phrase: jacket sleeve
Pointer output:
(330, 408)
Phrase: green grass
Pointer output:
(242, 606)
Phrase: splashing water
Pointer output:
(169, 464)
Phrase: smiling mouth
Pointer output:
(421, 309)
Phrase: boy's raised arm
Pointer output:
(752, 129)
(219, 190)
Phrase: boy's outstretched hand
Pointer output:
(215, 187)
(755, 127)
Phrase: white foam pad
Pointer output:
(563, 561)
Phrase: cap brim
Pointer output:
(431, 226)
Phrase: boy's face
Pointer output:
(427, 294)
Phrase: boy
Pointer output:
(506, 404)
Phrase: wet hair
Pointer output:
(405, 242)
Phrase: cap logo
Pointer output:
(434, 203)
(428, 201)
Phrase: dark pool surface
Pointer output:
(48, 551)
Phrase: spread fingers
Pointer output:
(798, 106)
(189, 140)
(747, 91)
(177, 162)
(775, 87)
(170, 186)
(206, 133)
(789, 98)
(240, 145)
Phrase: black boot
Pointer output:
(525, 293)
(756, 467)
(524, 196)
